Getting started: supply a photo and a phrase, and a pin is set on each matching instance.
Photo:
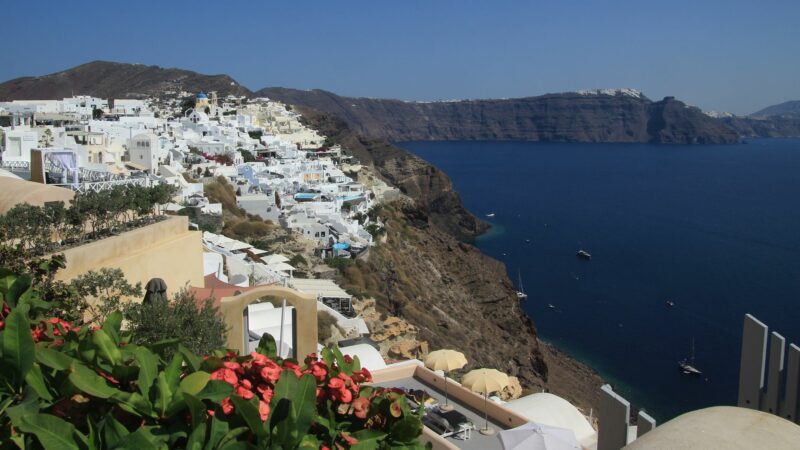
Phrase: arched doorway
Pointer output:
(304, 336)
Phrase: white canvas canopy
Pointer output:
(274, 259)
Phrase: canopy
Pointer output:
(485, 381)
(274, 259)
(534, 436)
(445, 360)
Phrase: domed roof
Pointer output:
(202, 94)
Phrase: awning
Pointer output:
(320, 288)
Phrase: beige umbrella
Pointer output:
(445, 360)
(485, 381)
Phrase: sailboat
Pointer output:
(687, 365)
(521, 292)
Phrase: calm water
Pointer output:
(716, 229)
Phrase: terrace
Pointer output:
(411, 376)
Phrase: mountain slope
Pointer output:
(790, 108)
(567, 117)
(116, 80)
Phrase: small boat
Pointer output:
(490, 215)
(670, 303)
(687, 364)
(521, 292)
(551, 306)
(583, 254)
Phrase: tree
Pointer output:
(196, 324)
(247, 155)
(107, 288)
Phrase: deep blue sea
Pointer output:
(715, 229)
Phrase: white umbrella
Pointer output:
(535, 436)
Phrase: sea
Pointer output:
(714, 229)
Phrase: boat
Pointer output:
(490, 215)
(670, 303)
(583, 254)
(521, 292)
(687, 364)
(551, 306)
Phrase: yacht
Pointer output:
(583, 254)
(521, 292)
(490, 215)
(670, 303)
(687, 364)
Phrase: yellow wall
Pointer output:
(165, 250)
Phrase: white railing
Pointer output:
(15, 165)
(98, 186)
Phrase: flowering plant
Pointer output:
(69, 387)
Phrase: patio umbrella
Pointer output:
(445, 360)
(485, 381)
(155, 289)
(536, 436)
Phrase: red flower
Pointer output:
(294, 367)
(263, 410)
(348, 359)
(349, 439)
(243, 392)
(247, 384)
(319, 370)
(361, 407)
(266, 395)
(259, 359)
(345, 396)
(271, 372)
(336, 383)
(236, 367)
(227, 405)
(362, 376)
(226, 375)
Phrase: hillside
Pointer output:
(567, 117)
(116, 80)
(790, 108)
(456, 296)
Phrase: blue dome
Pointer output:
(202, 95)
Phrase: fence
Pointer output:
(774, 390)
(613, 426)
(98, 186)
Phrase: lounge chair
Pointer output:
(461, 425)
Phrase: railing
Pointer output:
(98, 186)
(779, 395)
(15, 165)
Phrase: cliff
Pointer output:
(106, 79)
(567, 117)
(455, 296)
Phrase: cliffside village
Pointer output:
(288, 174)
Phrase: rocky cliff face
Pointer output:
(568, 117)
(455, 296)
(116, 80)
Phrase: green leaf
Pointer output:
(229, 439)
(163, 395)
(173, 372)
(368, 439)
(215, 390)
(195, 382)
(309, 441)
(304, 402)
(112, 325)
(106, 347)
(35, 381)
(267, 346)
(249, 412)
(20, 285)
(54, 359)
(148, 369)
(141, 439)
(133, 402)
(406, 430)
(52, 432)
(196, 408)
(217, 432)
(113, 431)
(18, 346)
(89, 382)
(192, 360)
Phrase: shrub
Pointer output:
(298, 261)
(195, 324)
(65, 386)
(324, 323)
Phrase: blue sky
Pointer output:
(736, 56)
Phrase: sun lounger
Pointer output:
(462, 426)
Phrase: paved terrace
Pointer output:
(470, 404)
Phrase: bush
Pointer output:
(196, 325)
(65, 386)
(298, 261)
(340, 264)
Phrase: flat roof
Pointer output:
(323, 288)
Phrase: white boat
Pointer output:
(687, 365)
(490, 215)
(521, 292)
(583, 254)
(551, 306)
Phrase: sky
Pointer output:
(735, 56)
